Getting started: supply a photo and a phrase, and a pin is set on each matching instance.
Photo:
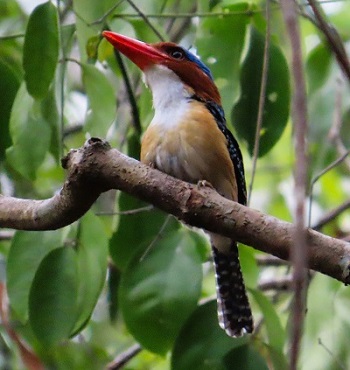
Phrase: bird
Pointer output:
(188, 139)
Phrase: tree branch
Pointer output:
(96, 168)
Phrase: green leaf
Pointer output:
(251, 271)
(160, 291)
(276, 108)
(226, 37)
(114, 276)
(318, 67)
(50, 114)
(135, 232)
(40, 51)
(92, 265)
(90, 11)
(92, 48)
(53, 296)
(276, 334)
(102, 101)
(140, 229)
(28, 249)
(30, 135)
(245, 358)
(9, 82)
(212, 344)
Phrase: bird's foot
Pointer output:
(203, 184)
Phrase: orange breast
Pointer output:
(192, 149)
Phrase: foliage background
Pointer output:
(61, 83)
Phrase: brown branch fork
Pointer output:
(96, 168)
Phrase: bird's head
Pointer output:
(166, 57)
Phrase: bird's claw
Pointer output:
(203, 184)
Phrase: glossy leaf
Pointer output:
(212, 344)
(226, 39)
(92, 266)
(40, 51)
(276, 108)
(53, 296)
(9, 82)
(26, 127)
(160, 291)
(28, 249)
(102, 102)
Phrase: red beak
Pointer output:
(142, 54)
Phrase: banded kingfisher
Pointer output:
(188, 139)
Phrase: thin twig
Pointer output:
(262, 98)
(183, 28)
(334, 134)
(333, 39)
(62, 76)
(281, 284)
(109, 12)
(341, 366)
(156, 238)
(331, 215)
(299, 254)
(130, 92)
(73, 129)
(145, 18)
(65, 11)
(126, 213)
(6, 235)
(11, 37)
(223, 14)
(270, 261)
(319, 175)
(124, 357)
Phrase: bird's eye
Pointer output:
(177, 54)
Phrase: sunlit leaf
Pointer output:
(247, 257)
(40, 51)
(159, 291)
(276, 107)
(27, 127)
(102, 102)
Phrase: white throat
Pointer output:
(170, 96)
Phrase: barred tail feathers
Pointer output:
(234, 311)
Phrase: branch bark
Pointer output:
(96, 168)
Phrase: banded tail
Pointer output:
(234, 312)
